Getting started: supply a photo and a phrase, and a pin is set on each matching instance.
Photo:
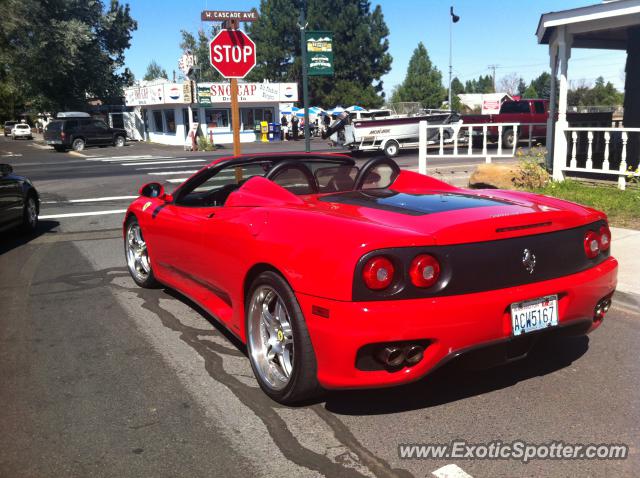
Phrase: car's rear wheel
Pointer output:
(30, 214)
(78, 144)
(509, 138)
(278, 342)
(137, 255)
(119, 141)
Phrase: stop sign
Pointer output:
(232, 53)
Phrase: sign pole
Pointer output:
(305, 78)
(235, 110)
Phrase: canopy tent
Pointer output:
(355, 108)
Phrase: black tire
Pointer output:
(119, 141)
(78, 144)
(148, 282)
(303, 382)
(391, 148)
(30, 214)
(509, 139)
(60, 149)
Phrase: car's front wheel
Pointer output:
(78, 144)
(137, 255)
(278, 342)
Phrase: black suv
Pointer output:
(76, 133)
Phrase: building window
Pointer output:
(249, 116)
(170, 117)
(157, 120)
(216, 118)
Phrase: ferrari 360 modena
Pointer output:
(338, 276)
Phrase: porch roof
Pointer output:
(601, 26)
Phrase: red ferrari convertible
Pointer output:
(337, 276)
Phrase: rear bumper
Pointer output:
(452, 325)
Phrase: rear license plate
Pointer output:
(536, 314)
(54, 141)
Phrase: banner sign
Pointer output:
(210, 93)
(319, 53)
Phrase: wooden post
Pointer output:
(235, 117)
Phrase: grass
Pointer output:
(622, 207)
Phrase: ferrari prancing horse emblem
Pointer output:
(146, 206)
(529, 261)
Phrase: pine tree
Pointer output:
(360, 49)
(423, 82)
(154, 72)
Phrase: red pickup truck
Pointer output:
(525, 112)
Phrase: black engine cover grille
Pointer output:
(482, 266)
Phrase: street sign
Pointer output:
(223, 15)
(319, 46)
(232, 53)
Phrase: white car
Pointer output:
(21, 130)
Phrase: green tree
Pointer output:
(522, 87)
(484, 84)
(456, 86)
(360, 48)
(530, 92)
(423, 82)
(60, 53)
(154, 72)
(542, 85)
(601, 94)
(199, 47)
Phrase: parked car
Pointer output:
(343, 277)
(525, 112)
(78, 132)
(19, 201)
(8, 126)
(21, 130)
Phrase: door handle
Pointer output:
(210, 215)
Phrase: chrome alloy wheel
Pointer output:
(137, 257)
(270, 337)
(32, 213)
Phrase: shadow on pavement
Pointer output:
(452, 382)
(15, 238)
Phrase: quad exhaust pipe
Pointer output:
(395, 356)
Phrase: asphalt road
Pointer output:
(101, 378)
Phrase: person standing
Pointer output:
(285, 126)
(294, 127)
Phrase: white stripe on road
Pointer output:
(155, 158)
(163, 173)
(109, 198)
(451, 471)
(156, 168)
(81, 214)
(179, 180)
(100, 158)
(149, 163)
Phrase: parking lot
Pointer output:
(106, 379)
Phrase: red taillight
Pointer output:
(424, 270)
(62, 135)
(378, 273)
(605, 238)
(591, 244)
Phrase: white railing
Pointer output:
(603, 147)
(462, 142)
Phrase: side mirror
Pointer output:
(152, 190)
(5, 169)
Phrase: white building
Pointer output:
(169, 109)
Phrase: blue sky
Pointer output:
(496, 32)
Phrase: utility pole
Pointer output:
(305, 77)
(493, 68)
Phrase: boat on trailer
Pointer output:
(389, 132)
